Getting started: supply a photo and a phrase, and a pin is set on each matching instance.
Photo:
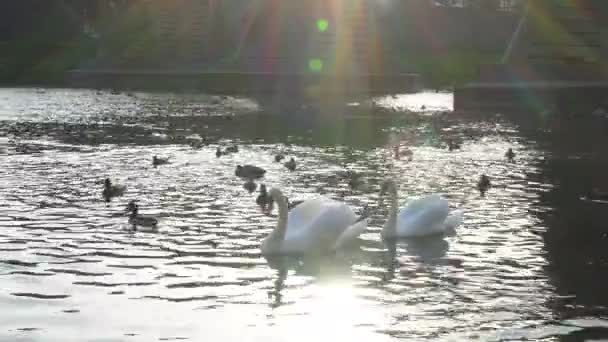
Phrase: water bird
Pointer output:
(510, 155)
(317, 225)
(264, 201)
(453, 145)
(398, 153)
(219, 153)
(428, 215)
(250, 185)
(290, 165)
(484, 184)
(232, 149)
(146, 223)
(249, 171)
(111, 190)
(156, 161)
(355, 180)
(197, 144)
(278, 158)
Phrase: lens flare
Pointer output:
(315, 65)
(322, 25)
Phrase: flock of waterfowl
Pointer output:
(322, 224)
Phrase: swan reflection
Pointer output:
(426, 250)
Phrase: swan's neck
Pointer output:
(278, 234)
(390, 228)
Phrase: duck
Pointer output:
(232, 149)
(197, 144)
(110, 190)
(250, 186)
(249, 171)
(510, 155)
(219, 153)
(484, 184)
(398, 153)
(290, 165)
(264, 201)
(146, 223)
(453, 145)
(278, 158)
(316, 226)
(426, 216)
(156, 161)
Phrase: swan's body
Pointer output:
(145, 223)
(111, 190)
(429, 215)
(316, 225)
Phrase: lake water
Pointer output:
(529, 262)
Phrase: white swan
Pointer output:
(316, 225)
(429, 215)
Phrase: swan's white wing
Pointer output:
(454, 219)
(303, 215)
(424, 216)
(350, 234)
(325, 228)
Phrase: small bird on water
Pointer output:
(110, 190)
(137, 220)
(291, 164)
(483, 184)
(278, 158)
(250, 186)
(249, 171)
(232, 149)
(510, 155)
(264, 201)
(159, 161)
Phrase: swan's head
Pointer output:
(277, 196)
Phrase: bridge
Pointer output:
(275, 47)
(554, 60)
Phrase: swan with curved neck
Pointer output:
(316, 225)
(425, 216)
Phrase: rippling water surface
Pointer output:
(71, 270)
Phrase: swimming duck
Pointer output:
(137, 220)
(510, 155)
(483, 184)
(291, 164)
(398, 153)
(278, 158)
(249, 171)
(453, 145)
(232, 149)
(110, 190)
(197, 144)
(159, 161)
(264, 201)
(250, 186)
(219, 153)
